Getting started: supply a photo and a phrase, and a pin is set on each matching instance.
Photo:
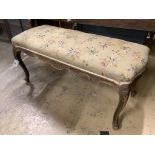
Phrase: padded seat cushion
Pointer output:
(109, 57)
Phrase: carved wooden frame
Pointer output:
(124, 88)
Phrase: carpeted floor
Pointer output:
(59, 102)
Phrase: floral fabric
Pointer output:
(109, 57)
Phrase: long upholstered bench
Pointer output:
(113, 61)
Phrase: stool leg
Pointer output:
(21, 63)
(124, 92)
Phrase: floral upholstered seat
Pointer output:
(112, 58)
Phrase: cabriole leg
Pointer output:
(124, 91)
(17, 55)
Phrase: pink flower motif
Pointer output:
(104, 63)
(51, 41)
(77, 53)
